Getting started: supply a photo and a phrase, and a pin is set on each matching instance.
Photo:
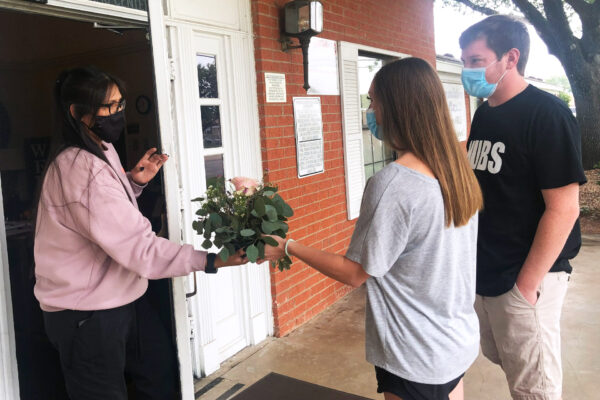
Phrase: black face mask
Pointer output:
(110, 127)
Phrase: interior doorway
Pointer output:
(34, 49)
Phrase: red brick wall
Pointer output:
(319, 201)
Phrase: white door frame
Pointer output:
(260, 324)
(81, 10)
(242, 158)
(9, 379)
(163, 73)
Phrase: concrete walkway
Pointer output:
(329, 350)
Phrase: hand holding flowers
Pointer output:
(238, 214)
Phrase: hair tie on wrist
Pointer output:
(286, 246)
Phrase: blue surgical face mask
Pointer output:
(475, 84)
(372, 124)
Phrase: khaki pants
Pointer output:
(524, 339)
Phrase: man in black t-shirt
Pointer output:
(524, 148)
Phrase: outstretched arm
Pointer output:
(334, 266)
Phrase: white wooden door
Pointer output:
(213, 127)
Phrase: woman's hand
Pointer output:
(148, 166)
(238, 258)
(273, 253)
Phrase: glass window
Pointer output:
(207, 76)
(213, 166)
(375, 153)
(211, 126)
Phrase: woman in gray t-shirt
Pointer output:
(414, 243)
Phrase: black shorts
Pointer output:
(409, 390)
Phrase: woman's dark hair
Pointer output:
(84, 88)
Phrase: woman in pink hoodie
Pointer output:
(94, 250)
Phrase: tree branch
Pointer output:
(557, 18)
(478, 8)
(581, 7)
(540, 23)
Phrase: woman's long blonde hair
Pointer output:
(415, 118)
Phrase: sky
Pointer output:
(449, 24)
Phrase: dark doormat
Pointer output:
(280, 387)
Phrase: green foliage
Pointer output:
(565, 97)
(561, 81)
(232, 220)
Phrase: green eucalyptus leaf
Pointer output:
(282, 226)
(198, 199)
(271, 189)
(268, 193)
(247, 232)
(279, 207)
(235, 224)
(252, 253)
(207, 244)
(230, 248)
(279, 233)
(271, 213)
(287, 210)
(207, 230)
(259, 206)
(215, 219)
(261, 249)
(202, 212)
(254, 214)
(224, 254)
(270, 241)
(268, 227)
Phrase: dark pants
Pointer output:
(98, 348)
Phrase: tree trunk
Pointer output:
(585, 84)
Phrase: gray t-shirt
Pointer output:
(420, 320)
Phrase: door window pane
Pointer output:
(377, 150)
(376, 154)
(367, 149)
(211, 126)
(369, 171)
(207, 76)
(214, 169)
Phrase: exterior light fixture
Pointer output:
(303, 19)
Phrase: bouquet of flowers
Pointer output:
(238, 213)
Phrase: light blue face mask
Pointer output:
(475, 84)
(372, 124)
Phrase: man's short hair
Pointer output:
(502, 33)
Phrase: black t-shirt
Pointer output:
(516, 149)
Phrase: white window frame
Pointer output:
(352, 120)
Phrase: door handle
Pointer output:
(193, 293)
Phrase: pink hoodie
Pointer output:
(93, 249)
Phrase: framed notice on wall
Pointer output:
(455, 96)
(275, 88)
(308, 126)
(323, 67)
